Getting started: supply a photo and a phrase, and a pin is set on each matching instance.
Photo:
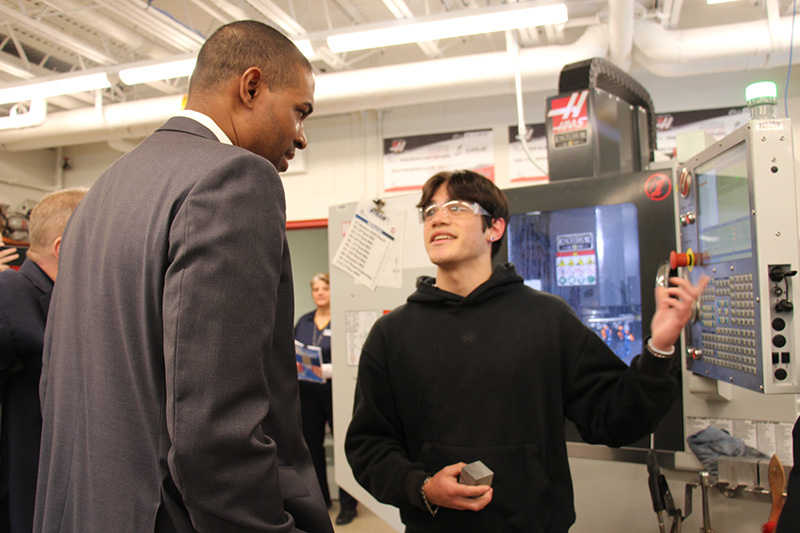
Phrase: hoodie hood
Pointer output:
(428, 293)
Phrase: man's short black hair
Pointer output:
(237, 46)
(472, 187)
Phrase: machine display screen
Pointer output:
(590, 257)
(723, 207)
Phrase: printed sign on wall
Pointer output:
(408, 162)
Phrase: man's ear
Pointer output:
(251, 83)
(57, 246)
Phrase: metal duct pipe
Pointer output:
(87, 125)
(719, 49)
(620, 32)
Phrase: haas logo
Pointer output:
(569, 113)
(398, 146)
(664, 122)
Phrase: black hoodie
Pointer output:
(492, 377)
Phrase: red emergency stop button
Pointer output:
(682, 260)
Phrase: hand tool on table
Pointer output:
(777, 481)
(663, 503)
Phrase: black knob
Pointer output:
(776, 273)
(779, 341)
(781, 374)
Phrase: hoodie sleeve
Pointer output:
(611, 403)
(375, 444)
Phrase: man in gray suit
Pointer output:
(169, 388)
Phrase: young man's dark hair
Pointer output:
(473, 187)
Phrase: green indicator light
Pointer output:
(761, 89)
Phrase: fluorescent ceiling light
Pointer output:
(435, 27)
(305, 48)
(712, 2)
(158, 71)
(57, 87)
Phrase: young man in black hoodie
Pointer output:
(477, 366)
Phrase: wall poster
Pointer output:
(408, 162)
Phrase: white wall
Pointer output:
(26, 175)
(309, 249)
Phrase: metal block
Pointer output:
(476, 473)
(739, 471)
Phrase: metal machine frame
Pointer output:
(745, 331)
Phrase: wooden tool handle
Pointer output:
(777, 482)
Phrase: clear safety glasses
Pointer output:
(452, 209)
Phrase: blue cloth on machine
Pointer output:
(711, 443)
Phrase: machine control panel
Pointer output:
(738, 216)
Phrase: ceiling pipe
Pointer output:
(35, 116)
(720, 49)
(88, 125)
(620, 32)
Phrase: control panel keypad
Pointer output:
(727, 311)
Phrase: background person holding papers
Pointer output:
(314, 329)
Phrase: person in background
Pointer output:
(24, 301)
(316, 399)
(478, 366)
(169, 385)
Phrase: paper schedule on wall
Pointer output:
(357, 327)
(371, 236)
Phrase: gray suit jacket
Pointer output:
(169, 388)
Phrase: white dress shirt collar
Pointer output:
(206, 121)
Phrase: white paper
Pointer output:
(369, 240)
(391, 274)
(357, 327)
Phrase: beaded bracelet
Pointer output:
(659, 353)
(433, 510)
